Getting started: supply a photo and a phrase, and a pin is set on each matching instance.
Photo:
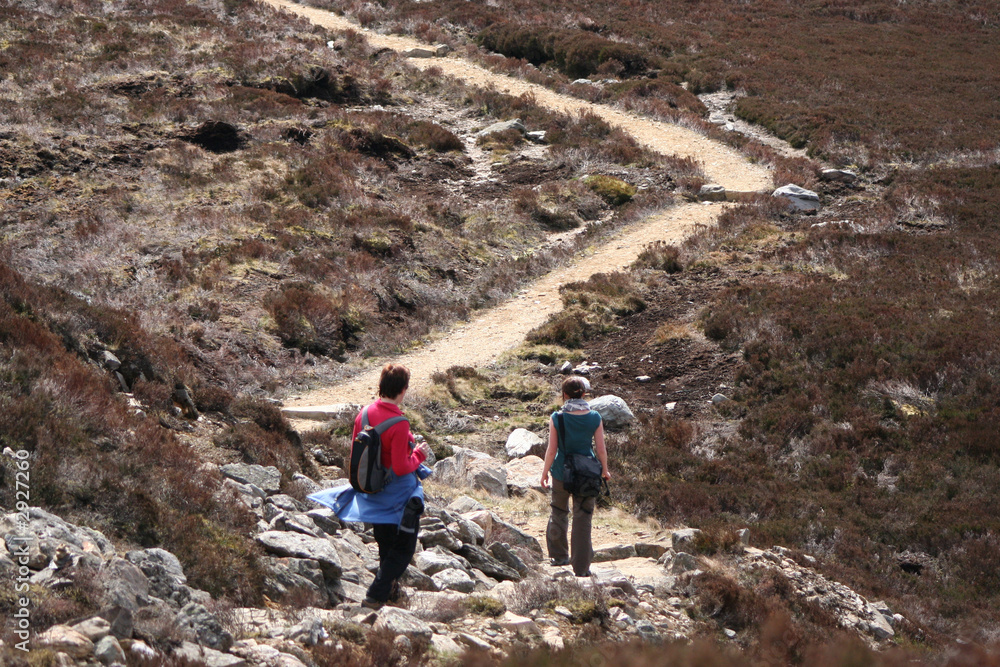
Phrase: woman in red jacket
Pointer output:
(394, 512)
(396, 541)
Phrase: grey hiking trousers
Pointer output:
(580, 550)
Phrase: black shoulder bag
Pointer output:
(581, 473)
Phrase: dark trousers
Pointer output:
(579, 549)
(396, 545)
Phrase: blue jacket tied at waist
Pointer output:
(386, 506)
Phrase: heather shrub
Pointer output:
(577, 53)
(309, 321)
(660, 255)
(433, 136)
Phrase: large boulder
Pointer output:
(267, 478)
(798, 198)
(524, 474)
(522, 442)
(124, 584)
(507, 532)
(614, 412)
(481, 559)
(454, 580)
(432, 561)
(296, 545)
(469, 468)
(204, 627)
(712, 192)
(63, 639)
(401, 622)
(503, 126)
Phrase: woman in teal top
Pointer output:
(584, 435)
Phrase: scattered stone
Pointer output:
(471, 468)
(325, 520)
(337, 412)
(108, 651)
(465, 504)
(432, 561)
(508, 532)
(441, 50)
(712, 192)
(643, 378)
(308, 632)
(584, 82)
(418, 52)
(524, 474)
(522, 442)
(744, 535)
(798, 198)
(566, 368)
(503, 553)
(729, 633)
(454, 580)
(649, 550)
(95, 629)
(839, 175)
(63, 639)
(616, 552)
(682, 562)
(110, 361)
(537, 136)
(503, 126)
(207, 656)
(518, 624)
(480, 559)
(401, 622)
(614, 412)
(445, 646)
(719, 398)
(684, 537)
(267, 478)
(296, 545)
(205, 627)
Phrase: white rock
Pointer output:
(441, 50)
(401, 622)
(522, 442)
(712, 192)
(454, 580)
(519, 624)
(418, 52)
(614, 412)
(798, 198)
(63, 639)
(503, 126)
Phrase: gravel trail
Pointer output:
(480, 341)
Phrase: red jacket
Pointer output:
(397, 442)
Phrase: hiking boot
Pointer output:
(372, 604)
(558, 562)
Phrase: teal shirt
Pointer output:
(579, 437)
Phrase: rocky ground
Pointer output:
(479, 581)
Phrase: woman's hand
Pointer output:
(545, 479)
(606, 474)
(423, 448)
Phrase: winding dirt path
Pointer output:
(480, 341)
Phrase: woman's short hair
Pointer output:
(574, 387)
(395, 378)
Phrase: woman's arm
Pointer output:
(602, 452)
(404, 461)
(550, 453)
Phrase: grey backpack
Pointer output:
(367, 474)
